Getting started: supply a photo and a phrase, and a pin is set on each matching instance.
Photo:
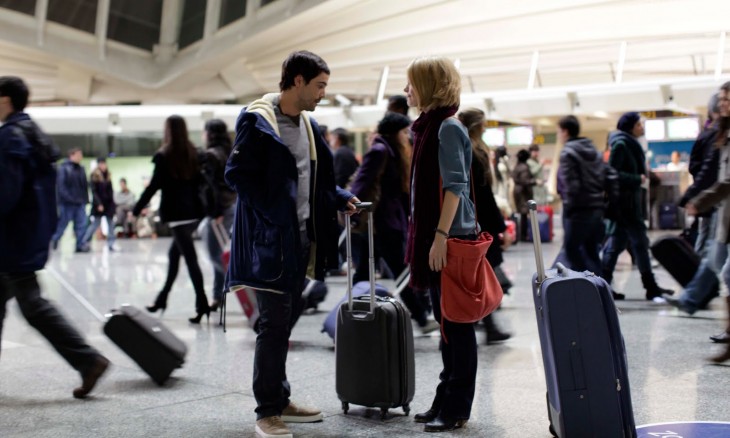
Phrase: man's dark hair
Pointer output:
(570, 124)
(398, 104)
(72, 151)
(123, 180)
(302, 63)
(218, 135)
(342, 135)
(534, 148)
(14, 88)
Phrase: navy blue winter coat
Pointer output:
(266, 242)
(73, 187)
(28, 215)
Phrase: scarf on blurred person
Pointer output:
(425, 193)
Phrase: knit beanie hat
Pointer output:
(627, 122)
(392, 123)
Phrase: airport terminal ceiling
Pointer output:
(524, 58)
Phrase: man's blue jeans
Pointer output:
(703, 284)
(68, 213)
(617, 243)
(95, 224)
(278, 312)
(584, 233)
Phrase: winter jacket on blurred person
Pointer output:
(704, 161)
(582, 179)
(102, 205)
(719, 195)
(73, 195)
(223, 208)
(524, 183)
(345, 162)
(627, 157)
(27, 220)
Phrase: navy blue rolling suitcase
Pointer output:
(586, 372)
(374, 356)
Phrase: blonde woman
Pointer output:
(441, 148)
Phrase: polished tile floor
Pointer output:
(211, 395)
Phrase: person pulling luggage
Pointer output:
(627, 157)
(719, 195)
(27, 222)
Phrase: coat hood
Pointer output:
(620, 136)
(265, 108)
(584, 148)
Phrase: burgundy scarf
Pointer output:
(425, 191)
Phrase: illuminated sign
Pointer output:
(519, 136)
(683, 128)
(655, 130)
(494, 137)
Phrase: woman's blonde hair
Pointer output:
(436, 81)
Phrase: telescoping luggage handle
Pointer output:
(367, 206)
(532, 206)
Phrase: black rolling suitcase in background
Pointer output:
(142, 337)
(146, 341)
(676, 255)
(583, 353)
(679, 258)
(374, 364)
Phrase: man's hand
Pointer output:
(351, 209)
(219, 220)
(100, 209)
(437, 254)
(691, 209)
(643, 179)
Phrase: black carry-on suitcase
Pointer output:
(147, 341)
(583, 352)
(681, 261)
(375, 364)
(677, 257)
(144, 338)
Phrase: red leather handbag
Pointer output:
(470, 289)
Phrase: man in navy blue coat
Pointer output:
(73, 195)
(285, 226)
(27, 221)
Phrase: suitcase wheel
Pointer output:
(406, 409)
(345, 407)
(383, 413)
(552, 430)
